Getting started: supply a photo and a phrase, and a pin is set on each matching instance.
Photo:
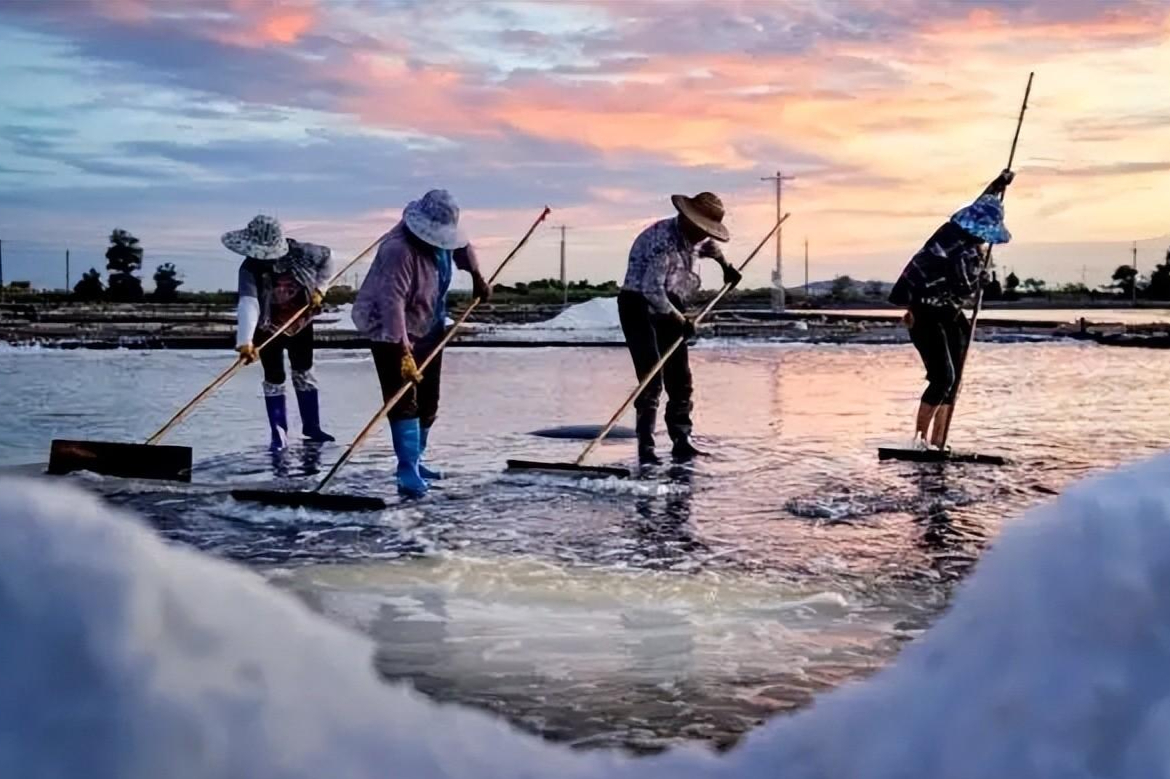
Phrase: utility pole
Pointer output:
(66, 270)
(1, 271)
(806, 270)
(564, 278)
(778, 274)
(1135, 274)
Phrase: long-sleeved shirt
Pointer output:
(398, 300)
(662, 263)
(272, 291)
(943, 272)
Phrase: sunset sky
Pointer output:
(180, 119)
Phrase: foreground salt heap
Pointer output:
(122, 657)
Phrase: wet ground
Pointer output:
(687, 604)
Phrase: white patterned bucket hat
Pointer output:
(435, 219)
(262, 239)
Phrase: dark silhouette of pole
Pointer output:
(778, 274)
(1, 270)
(806, 270)
(67, 270)
(1133, 290)
(564, 269)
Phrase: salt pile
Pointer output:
(595, 314)
(124, 657)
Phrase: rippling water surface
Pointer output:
(688, 604)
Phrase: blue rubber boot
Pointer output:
(407, 448)
(425, 472)
(308, 403)
(277, 421)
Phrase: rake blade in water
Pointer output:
(593, 471)
(935, 456)
(128, 461)
(311, 500)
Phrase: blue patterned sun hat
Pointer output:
(435, 219)
(984, 220)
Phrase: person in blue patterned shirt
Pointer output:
(660, 280)
(947, 270)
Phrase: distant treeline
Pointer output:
(124, 260)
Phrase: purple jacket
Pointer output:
(396, 302)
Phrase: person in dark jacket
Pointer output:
(278, 279)
(948, 269)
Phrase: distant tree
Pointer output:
(1124, 279)
(1011, 287)
(1158, 287)
(874, 289)
(1076, 288)
(90, 287)
(843, 288)
(123, 259)
(1034, 286)
(166, 283)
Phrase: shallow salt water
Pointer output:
(687, 605)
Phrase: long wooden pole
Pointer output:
(673, 348)
(986, 263)
(393, 400)
(231, 370)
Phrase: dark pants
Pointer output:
(421, 402)
(300, 354)
(648, 335)
(941, 337)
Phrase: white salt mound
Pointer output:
(595, 314)
(123, 657)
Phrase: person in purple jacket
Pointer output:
(947, 270)
(402, 308)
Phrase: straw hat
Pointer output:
(262, 239)
(705, 211)
(435, 220)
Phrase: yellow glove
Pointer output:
(248, 353)
(316, 297)
(409, 368)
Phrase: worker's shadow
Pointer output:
(952, 540)
(661, 524)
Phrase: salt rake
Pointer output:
(150, 460)
(317, 498)
(946, 455)
(604, 471)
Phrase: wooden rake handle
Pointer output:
(230, 371)
(673, 348)
(393, 400)
(979, 292)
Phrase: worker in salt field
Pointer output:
(402, 308)
(660, 280)
(279, 278)
(949, 268)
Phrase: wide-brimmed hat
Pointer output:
(262, 239)
(435, 219)
(704, 211)
(984, 220)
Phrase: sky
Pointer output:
(181, 119)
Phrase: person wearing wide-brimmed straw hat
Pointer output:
(660, 281)
(932, 287)
(279, 278)
(402, 308)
